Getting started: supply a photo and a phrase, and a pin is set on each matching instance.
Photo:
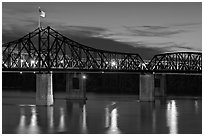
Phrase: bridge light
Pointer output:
(21, 72)
(113, 63)
(32, 63)
(84, 77)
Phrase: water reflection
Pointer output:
(84, 125)
(196, 106)
(154, 121)
(50, 116)
(22, 122)
(172, 115)
(107, 117)
(33, 126)
(147, 117)
(62, 127)
(104, 116)
(111, 119)
(76, 116)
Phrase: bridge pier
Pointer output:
(146, 87)
(160, 85)
(76, 86)
(44, 89)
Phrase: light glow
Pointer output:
(84, 77)
(33, 127)
(62, 120)
(172, 117)
(113, 63)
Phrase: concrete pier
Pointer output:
(146, 87)
(44, 89)
(76, 86)
(160, 85)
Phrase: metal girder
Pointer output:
(47, 50)
(189, 62)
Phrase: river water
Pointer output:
(101, 114)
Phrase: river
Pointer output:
(101, 114)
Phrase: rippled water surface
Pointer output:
(100, 114)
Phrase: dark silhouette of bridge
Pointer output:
(45, 50)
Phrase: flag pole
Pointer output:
(39, 22)
(39, 19)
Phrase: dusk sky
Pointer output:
(143, 28)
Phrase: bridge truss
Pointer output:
(178, 62)
(47, 50)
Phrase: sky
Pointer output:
(144, 28)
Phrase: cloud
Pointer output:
(82, 31)
(187, 24)
(158, 39)
(145, 40)
(96, 37)
(112, 45)
(12, 32)
(178, 48)
(153, 31)
(154, 27)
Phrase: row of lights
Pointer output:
(83, 76)
(22, 72)
(113, 62)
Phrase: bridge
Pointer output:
(46, 51)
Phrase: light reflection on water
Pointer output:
(32, 127)
(172, 117)
(104, 116)
(84, 125)
(22, 122)
(50, 116)
(196, 106)
(62, 127)
(112, 119)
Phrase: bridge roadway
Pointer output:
(45, 51)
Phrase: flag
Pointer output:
(42, 13)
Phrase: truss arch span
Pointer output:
(184, 62)
(45, 49)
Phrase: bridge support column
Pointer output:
(146, 87)
(160, 84)
(44, 89)
(76, 86)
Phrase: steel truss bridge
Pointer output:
(45, 50)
